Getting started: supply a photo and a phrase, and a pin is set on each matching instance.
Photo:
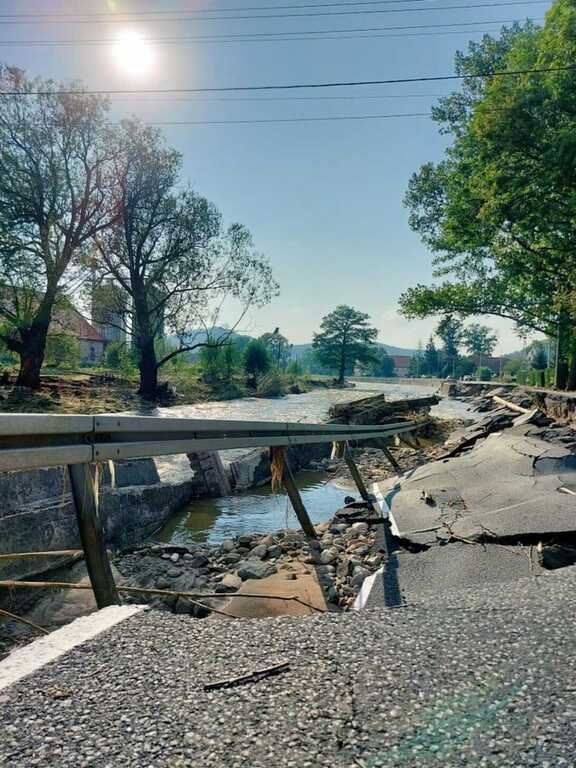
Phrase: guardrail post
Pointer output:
(354, 471)
(97, 563)
(277, 453)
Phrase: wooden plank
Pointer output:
(97, 563)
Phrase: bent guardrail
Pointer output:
(32, 441)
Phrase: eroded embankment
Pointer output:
(498, 506)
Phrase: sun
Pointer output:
(133, 53)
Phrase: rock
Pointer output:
(332, 595)
(229, 583)
(232, 557)
(228, 545)
(175, 557)
(186, 582)
(183, 606)
(274, 551)
(199, 561)
(268, 540)
(338, 528)
(260, 551)
(328, 556)
(290, 576)
(188, 556)
(344, 567)
(173, 573)
(359, 575)
(360, 527)
(349, 499)
(162, 582)
(255, 569)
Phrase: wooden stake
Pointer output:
(356, 476)
(277, 454)
(52, 553)
(24, 621)
(97, 563)
(388, 453)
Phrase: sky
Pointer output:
(323, 198)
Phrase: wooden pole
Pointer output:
(293, 493)
(389, 455)
(356, 476)
(97, 563)
(52, 553)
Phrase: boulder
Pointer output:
(229, 583)
(255, 569)
(328, 556)
(260, 551)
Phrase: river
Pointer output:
(212, 520)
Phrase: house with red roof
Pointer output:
(92, 343)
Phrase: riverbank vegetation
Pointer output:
(95, 211)
(498, 210)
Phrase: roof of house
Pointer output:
(71, 321)
(401, 360)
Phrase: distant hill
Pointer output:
(300, 349)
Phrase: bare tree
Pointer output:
(56, 195)
(169, 253)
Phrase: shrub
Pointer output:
(271, 385)
(483, 373)
(62, 351)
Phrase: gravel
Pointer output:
(469, 677)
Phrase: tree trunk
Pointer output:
(33, 342)
(561, 372)
(148, 368)
(342, 370)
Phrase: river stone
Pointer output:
(360, 528)
(175, 557)
(183, 606)
(231, 557)
(162, 582)
(199, 561)
(255, 569)
(274, 551)
(229, 583)
(268, 540)
(228, 545)
(328, 556)
(359, 575)
(173, 573)
(260, 551)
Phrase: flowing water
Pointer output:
(212, 520)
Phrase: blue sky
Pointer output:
(323, 199)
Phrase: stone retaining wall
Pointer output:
(37, 511)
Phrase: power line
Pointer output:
(419, 9)
(295, 86)
(257, 121)
(137, 15)
(254, 36)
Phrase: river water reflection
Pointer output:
(212, 520)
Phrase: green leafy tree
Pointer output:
(56, 194)
(479, 340)
(345, 338)
(172, 257)
(449, 331)
(257, 360)
(537, 357)
(431, 357)
(279, 346)
(62, 351)
(498, 210)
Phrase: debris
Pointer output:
(251, 677)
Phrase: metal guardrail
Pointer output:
(33, 441)
(30, 441)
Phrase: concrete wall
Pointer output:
(37, 511)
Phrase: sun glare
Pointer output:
(133, 53)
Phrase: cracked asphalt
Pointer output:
(468, 677)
